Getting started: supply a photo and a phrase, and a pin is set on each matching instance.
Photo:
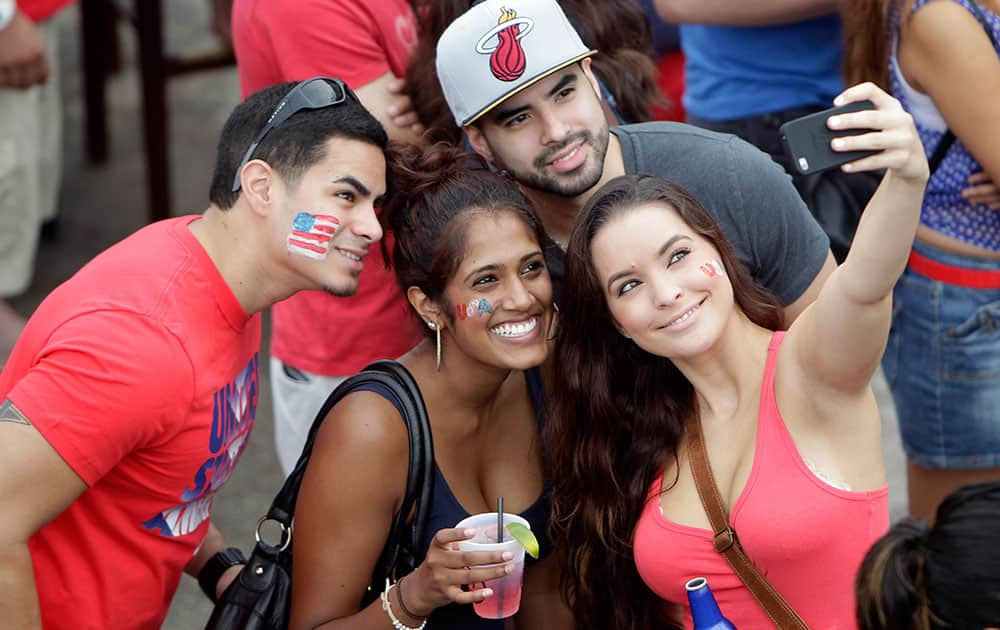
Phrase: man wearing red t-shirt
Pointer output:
(133, 389)
(30, 137)
(316, 341)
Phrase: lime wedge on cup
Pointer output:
(524, 536)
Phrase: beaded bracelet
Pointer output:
(396, 623)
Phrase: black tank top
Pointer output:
(446, 511)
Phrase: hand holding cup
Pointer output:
(440, 578)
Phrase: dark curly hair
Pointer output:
(866, 41)
(434, 192)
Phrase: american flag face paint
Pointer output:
(713, 269)
(312, 235)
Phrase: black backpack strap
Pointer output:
(394, 378)
(940, 150)
(949, 137)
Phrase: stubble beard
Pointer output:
(341, 292)
(571, 185)
(345, 289)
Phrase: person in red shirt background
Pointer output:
(317, 341)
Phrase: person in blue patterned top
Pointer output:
(943, 357)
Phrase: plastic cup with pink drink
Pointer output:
(506, 599)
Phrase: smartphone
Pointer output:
(807, 139)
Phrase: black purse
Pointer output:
(260, 597)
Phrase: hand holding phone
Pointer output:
(807, 139)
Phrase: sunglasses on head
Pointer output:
(315, 93)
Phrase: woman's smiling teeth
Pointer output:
(685, 316)
(348, 254)
(515, 329)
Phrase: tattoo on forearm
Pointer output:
(10, 413)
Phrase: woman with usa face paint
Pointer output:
(668, 339)
(468, 256)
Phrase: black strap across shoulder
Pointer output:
(949, 137)
(398, 556)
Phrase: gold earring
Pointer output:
(437, 335)
(437, 361)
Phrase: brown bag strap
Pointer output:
(780, 612)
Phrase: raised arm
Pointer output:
(839, 341)
(728, 13)
(791, 312)
(785, 248)
(352, 488)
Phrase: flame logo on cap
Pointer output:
(507, 59)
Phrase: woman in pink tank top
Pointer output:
(661, 324)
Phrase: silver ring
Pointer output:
(286, 532)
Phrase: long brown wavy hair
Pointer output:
(617, 29)
(868, 26)
(866, 41)
(618, 414)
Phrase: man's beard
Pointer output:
(352, 288)
(341, 292)
(344, 291)
(570, 185)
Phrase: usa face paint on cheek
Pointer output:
(713, 269)
(312, 235)
(473, 308)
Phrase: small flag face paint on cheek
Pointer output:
(713, 269)
(312, 234)
(475, 307)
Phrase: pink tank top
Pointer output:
(807, 537)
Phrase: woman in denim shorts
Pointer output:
(943, 356)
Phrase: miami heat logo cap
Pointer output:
(499, 47)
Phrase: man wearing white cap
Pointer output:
(517, 78)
